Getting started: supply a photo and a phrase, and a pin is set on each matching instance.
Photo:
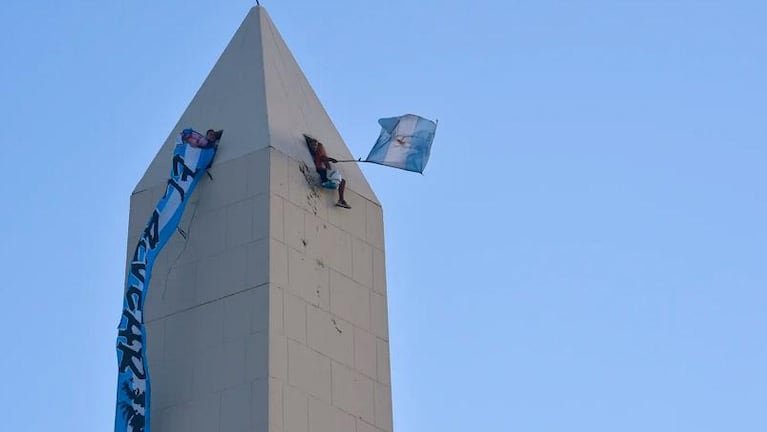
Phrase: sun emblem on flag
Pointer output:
(402, 140)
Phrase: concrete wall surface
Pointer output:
(329, 343)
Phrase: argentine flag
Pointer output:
(405, 142)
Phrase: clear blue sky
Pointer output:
(586, 251)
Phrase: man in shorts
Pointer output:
(329, 177)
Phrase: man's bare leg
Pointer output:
(341, 201)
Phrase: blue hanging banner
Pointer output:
(192, 157)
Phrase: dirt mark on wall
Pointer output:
(313, 196)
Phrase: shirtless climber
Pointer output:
(329, 177)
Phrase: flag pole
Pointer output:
(351, 160)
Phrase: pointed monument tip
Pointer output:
(259, 95)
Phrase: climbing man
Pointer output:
(213, 136)
(329, 177)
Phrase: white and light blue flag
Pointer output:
(405, 142)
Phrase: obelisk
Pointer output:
(267, 312)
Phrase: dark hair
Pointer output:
(209, 131)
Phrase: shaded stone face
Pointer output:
(270, 313)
